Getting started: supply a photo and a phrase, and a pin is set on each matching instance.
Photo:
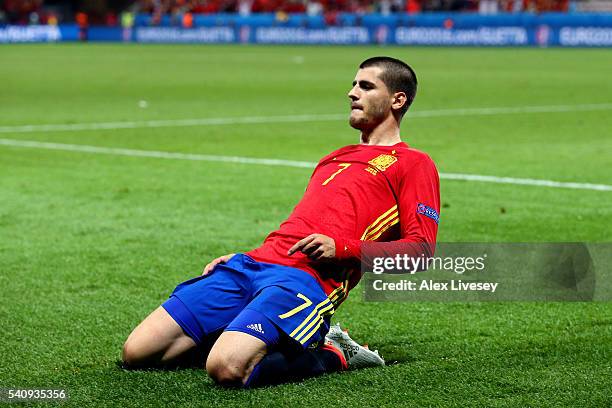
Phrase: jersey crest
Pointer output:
(383, 162)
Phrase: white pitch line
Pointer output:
(525, 182)
(279, 162)
(511, 110)
(153, 154)
(74, 127)
(252, 120)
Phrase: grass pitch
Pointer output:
(90, 244)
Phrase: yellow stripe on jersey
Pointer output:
(340, 293)
(338, 298)
(335, 292)
(395, 221)
(382, 224)
(310, 316)
(379, 219)
(335, 298)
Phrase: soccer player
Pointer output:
(265, 314)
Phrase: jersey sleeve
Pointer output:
(418, 196)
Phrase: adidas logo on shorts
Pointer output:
(256, 327)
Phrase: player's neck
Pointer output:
(386, 133)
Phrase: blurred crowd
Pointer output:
(107, 11)
(351, 6)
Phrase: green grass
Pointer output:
(90, 244)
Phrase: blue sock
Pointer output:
(276, 367)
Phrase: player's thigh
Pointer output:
(207, 304)
(233, 357)
(158, 338)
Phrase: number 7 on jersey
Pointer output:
(343, 166)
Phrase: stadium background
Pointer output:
(403, 22)
(125, 167)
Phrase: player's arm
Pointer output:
(419, 208)
(215, 262)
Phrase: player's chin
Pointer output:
(357, 122)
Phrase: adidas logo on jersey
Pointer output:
(256, 327)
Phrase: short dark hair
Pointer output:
(397, 76)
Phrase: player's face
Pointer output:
(370, 99)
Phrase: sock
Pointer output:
(276, 367)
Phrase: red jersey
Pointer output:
(359, 193)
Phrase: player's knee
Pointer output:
(128, 354)
(226, 371)
(132, 354)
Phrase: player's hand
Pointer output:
(317, 247)
(215, 262)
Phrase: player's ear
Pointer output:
(399, 100)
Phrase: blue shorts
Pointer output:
(252, 297)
